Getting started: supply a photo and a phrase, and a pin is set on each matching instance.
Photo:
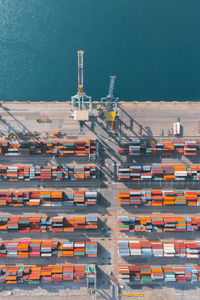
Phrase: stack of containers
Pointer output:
(79, 198)
(123, 249)
(47, 173)
(56, 198)
(158, 198)
(45, 223)
(159, 173)
(46, 248)
(190, 148)
(46, 274)
(166, 148)
(124, 273)
(66, 249)
(79, 248)
(158, 224)
(77, 148)
(91, 198)
(125, 223)
(34, 247)
(11, 249)
(91, 249)
(26, 249)
(147, 274)
(123, 173)
(12, 149)
(159, 249)
(134, 148)
(135, 248)
(88, 222)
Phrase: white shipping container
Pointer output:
(46, 254)
(79, 245)
(192, 255)
(188, 250)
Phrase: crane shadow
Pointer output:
(23, 128)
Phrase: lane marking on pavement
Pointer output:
(74, 294)
(132, 295)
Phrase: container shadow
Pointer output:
(104, 202)
(152, 260)
(103, 280)
(92, 183)
(190, 185)
(144, 131)
(104, 256)
(104, 228)
(53, 235)
(156, 236)
(23, 128)
(51, 211)
(161, 285)
(56, 287)
(173, 209)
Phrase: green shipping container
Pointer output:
(146, 279)
(34, 282)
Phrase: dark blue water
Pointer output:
(153, 46)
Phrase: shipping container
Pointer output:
(46, 274)
(158, 198)
(144, 274)
(47, 173)
(165, 148)
(159, 224)
(159, 173)
(46, 224)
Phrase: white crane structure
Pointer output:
(80, 101)
(81, 104)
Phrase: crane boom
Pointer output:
(111, 86)
(110, 102)
(80, 71)
(81, 104)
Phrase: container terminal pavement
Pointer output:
(108, 214)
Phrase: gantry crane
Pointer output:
(109, 105)
(81, 104)
(109, 102)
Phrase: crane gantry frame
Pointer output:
(80, 101)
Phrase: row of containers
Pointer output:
(61, 149)
(159, 173)
(158, 198)
(35, 249)
(148, 249)
(49, 198)
(47, 173)
(47, 274)
(152, 274)
(50, 248)
(47, 224)
(164, 148)
(159, 224)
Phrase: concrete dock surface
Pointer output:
(151, 120)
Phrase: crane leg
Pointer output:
(81, 127)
